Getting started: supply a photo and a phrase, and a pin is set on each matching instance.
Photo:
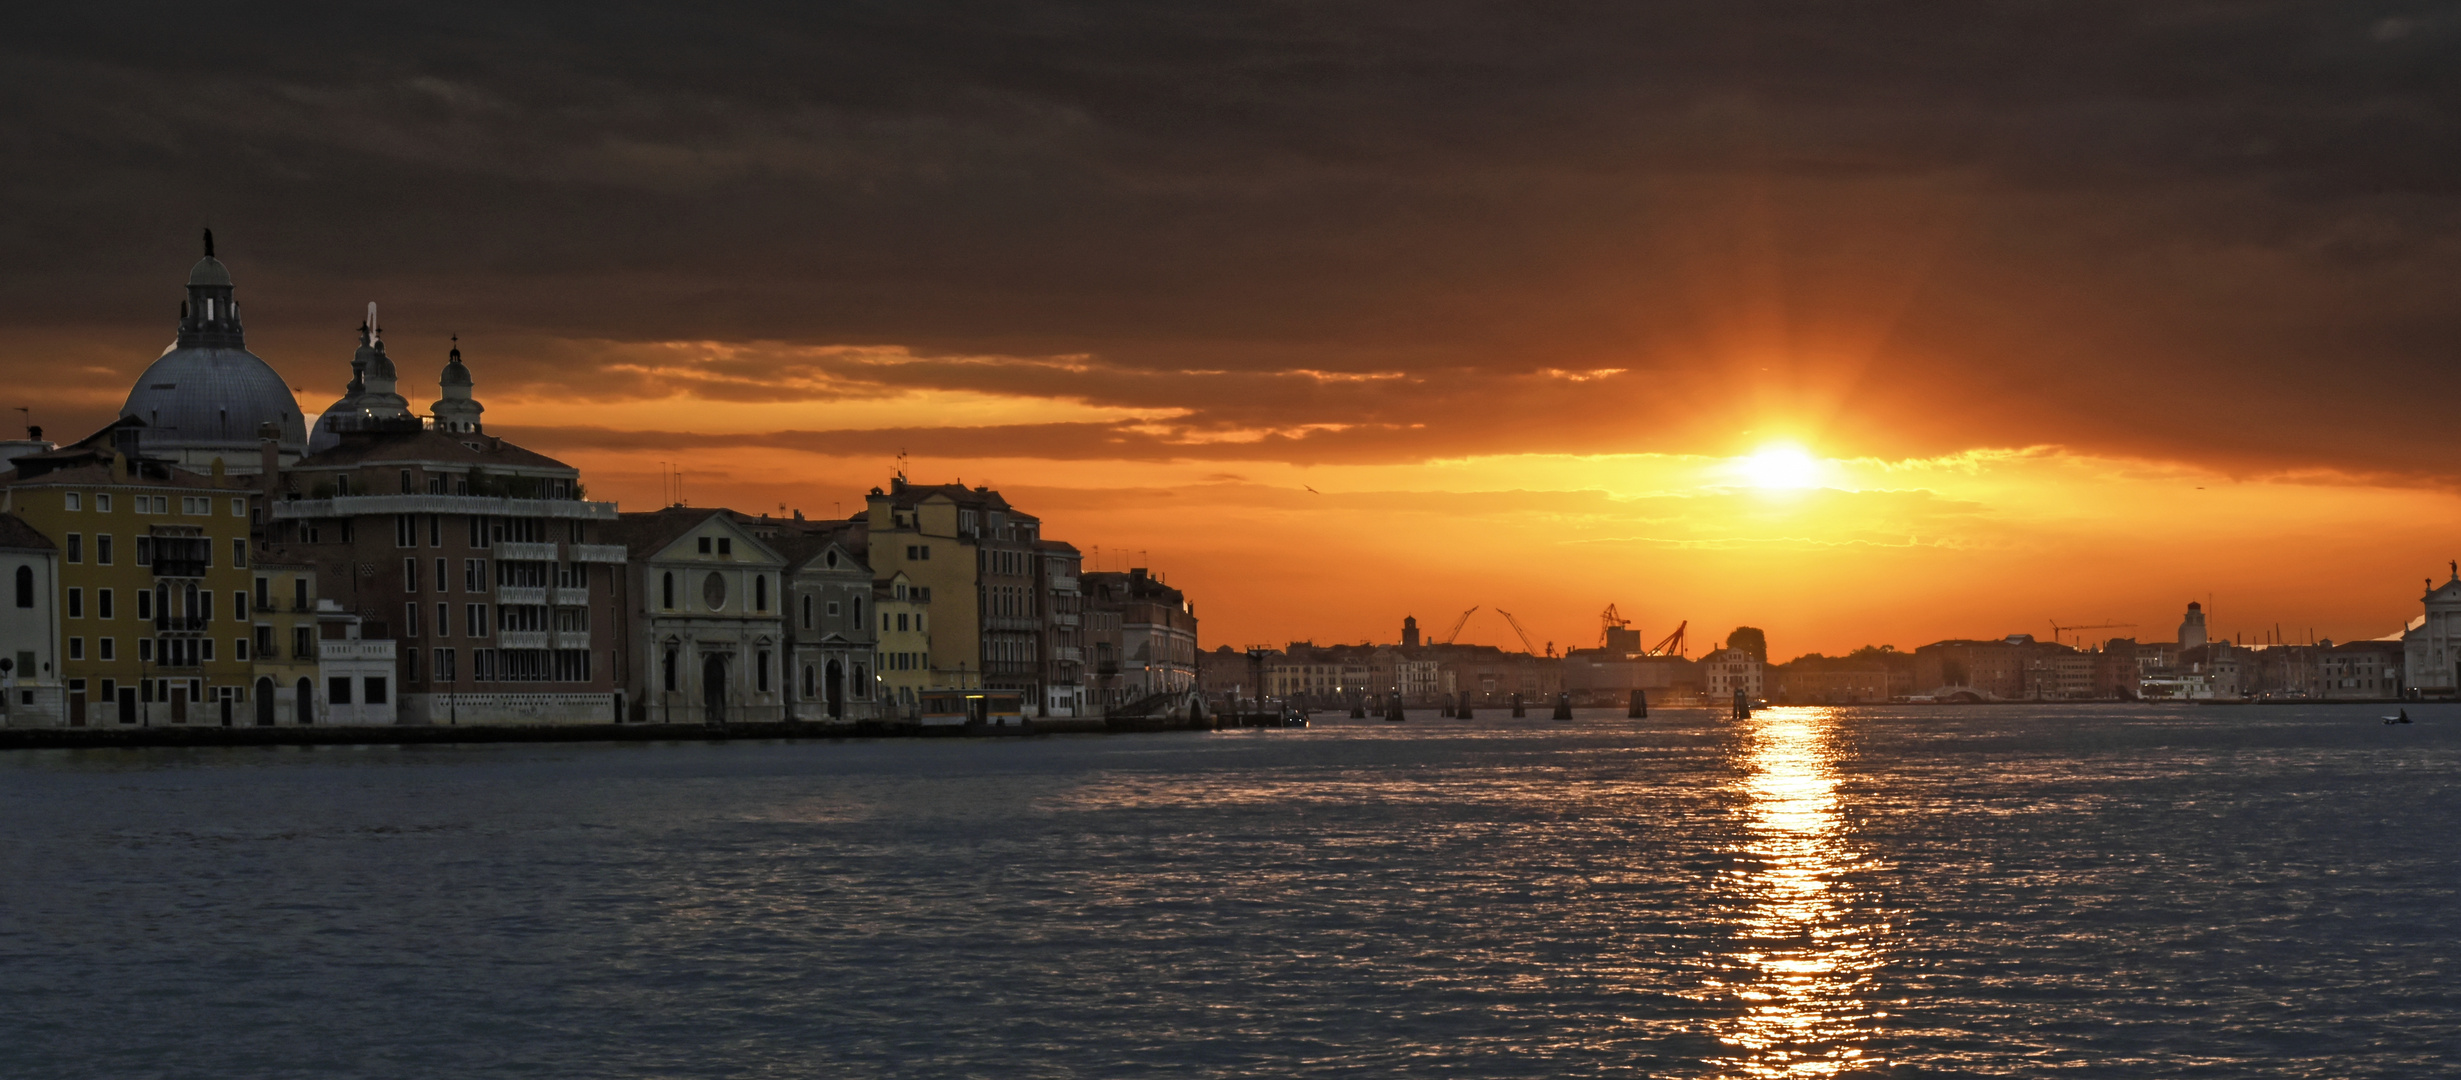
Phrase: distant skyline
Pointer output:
(1871, 325)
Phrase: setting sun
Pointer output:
(1777, 467)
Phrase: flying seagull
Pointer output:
(1311, 491)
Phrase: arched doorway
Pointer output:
(837, 691)
(713, 688)
(264, 701)
(303, 703)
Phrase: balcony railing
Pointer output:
(356, 505)
(598, 553)
(521, 639)
(179, 567)
(521, 594)
(571, 596)
(572, 639)
(178, 623)
(524, 551)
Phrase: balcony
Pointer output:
(355, 649)
(597, 553)
(524, 551)
(1068, 653)
(175, 624)
(521, 594)
(569, 596)
(572, 639)
(1064, 619)
(521, 639)
(356, 505)
(1063, 584)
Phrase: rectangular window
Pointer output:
(482, 665)
(102, 549)
(264, 593)
(704, 545)
(303, 642)
(927, 553)
(102, 503)
(102, 604)
(104, 649)
(444, 575)
(145, 649)
(145, 551)
(299, 594)
(239, 554)
(205, 606)
(239, 508)
(435, 529)
(145, 603)
(76, 603)
(444, 666)
(477, 627)
(444, 620)
(264, 641)
(833, 609)
(478, 531)
(410, 665)
(239, 648)
(474, 575)
(239, 606)
(405, 527)
(76, 548)
(205, 650)
(73, 499)
(410, 620)
(337, 690)
(410, 575)
(726, 545)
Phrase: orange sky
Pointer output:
(2083, 310)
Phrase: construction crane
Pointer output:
(1673, 645)
(1609, 621)
(2057, 629)
(1455, 632)
(1526, 644)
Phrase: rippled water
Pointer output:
(1938, 892)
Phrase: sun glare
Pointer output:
(1779, 467)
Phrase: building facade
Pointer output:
(30, 688)
(709, 621)
(1154, 647)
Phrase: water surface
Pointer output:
(2262, 891)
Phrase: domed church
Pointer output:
(207, 396)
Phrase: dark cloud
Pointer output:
(2211, 231)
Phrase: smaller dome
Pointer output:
(455, 373)
(209, 271)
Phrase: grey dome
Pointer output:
(212, 399)
(209, 271)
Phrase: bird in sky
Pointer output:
(1311, 491)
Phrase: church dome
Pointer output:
(206, 395)
(205, 398)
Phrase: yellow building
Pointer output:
(285, 649)
(905, 634)
(155, 593)
(926, 534)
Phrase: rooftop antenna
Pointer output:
(901, 463)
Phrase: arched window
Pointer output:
(807, 682)
(760, 676)
(670, 664)
(25, 586)
(760, 592)
(667, 593)
(807, 611)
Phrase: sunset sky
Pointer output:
(1861, 323)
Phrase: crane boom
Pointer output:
(1455, 632)
(1526, 645)
(2056, 628)
(1673, 645)
(1610, 620)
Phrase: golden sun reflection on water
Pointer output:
(1802, 963)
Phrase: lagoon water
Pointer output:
(2256, 891)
